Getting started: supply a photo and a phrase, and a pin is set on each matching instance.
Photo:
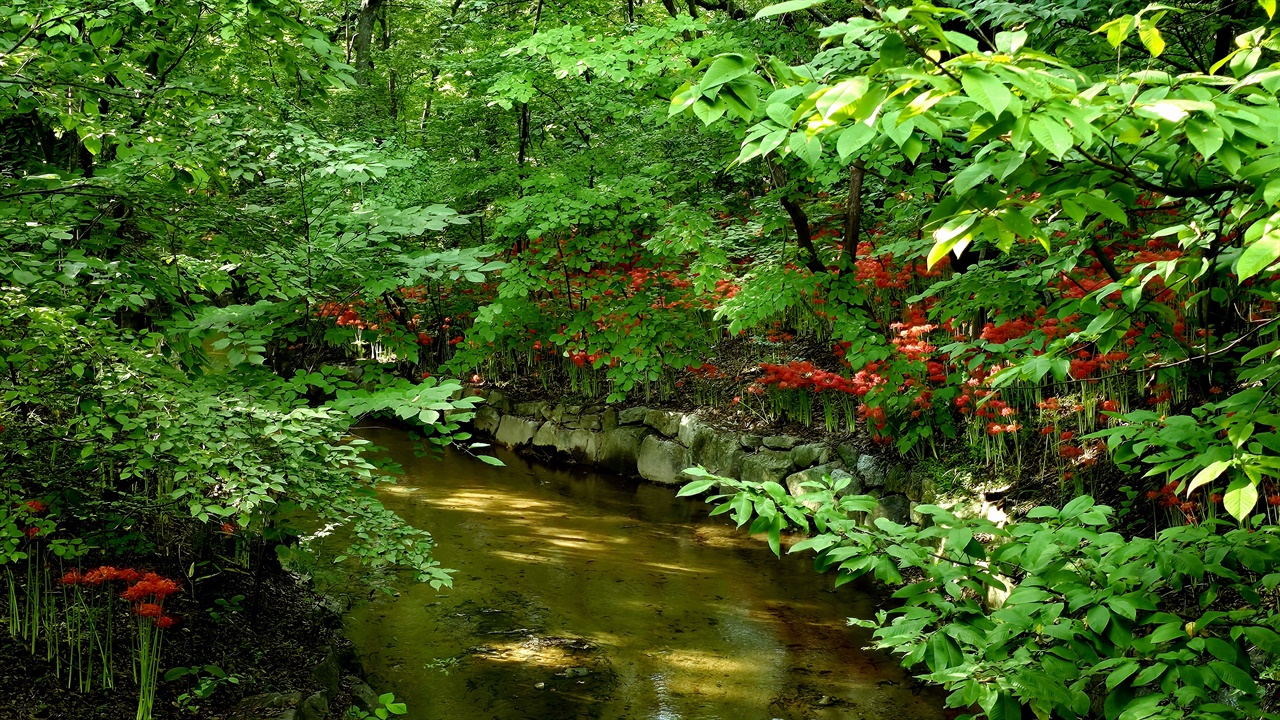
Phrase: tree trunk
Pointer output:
(804, 235)
(853, 212)
(365, 21)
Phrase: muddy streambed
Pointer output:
(580, 595)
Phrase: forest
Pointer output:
(1025, 254)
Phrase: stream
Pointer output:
(583, 595)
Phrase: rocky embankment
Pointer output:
(659, 445)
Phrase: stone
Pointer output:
(582, 445)
(917, 517)
(662, 461)
(586, 422)
(362, 695)
(620, 449)
(667, 423)
(565, 414)
(780, 442)
(498, 400)
(876, 471)
(717, 451)
(632, 416)
(689, 428)
(529, 409)
(514, 431)
(904, 482)
(546, 435)
(804, 456)
(751, 442)
(267, 706)
(608, 419)
(315, 707)
(487, 419)
(849, 454)
(816, 474)
(328, 674)
(928, 490)
(766, 465)
(894, 508)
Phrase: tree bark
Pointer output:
(804, 235)
(853, 211)
(365, 20)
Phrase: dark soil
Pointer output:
(271, 647)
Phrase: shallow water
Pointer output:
(581, 595)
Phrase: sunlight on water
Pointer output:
(584, 596)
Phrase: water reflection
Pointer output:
(579, 596)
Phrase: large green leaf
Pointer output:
(786, 7)
(986, 90)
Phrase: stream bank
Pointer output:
(658, 445)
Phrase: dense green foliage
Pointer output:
(1045, 234)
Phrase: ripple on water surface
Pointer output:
(579, 595)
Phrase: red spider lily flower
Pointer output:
(228, 528)
(31, 532)
(1110, 405)
(35, 506)
(73, 577)
(1215, 498)
(1066, 435)
(150, 610)
(1273, 500)
(1047, 430)
(164, 622)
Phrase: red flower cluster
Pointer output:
(798, 375)
(99, 575)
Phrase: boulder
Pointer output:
(514, 431)
(689, 429)
(662, 461)
(718, 451)
(895, 508)
(904, 482)
(584, 422)
(620, 449)
(876, 471)
(780, 442)
(608, 419)
(529, 409)
(267, 706)
(809, 455)
(815, 474)
(667, 423)
(363, 696)
(766, 465)
(487, 419)
(632, 416)
(582, 445)
(751, 442)
(848, 454)
(546, 435)
(329, 674)
(564, 414)
(498, 400)
(315, 707)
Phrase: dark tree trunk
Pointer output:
(365, 20)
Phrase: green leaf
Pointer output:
(696, 487)
(1006, 707)
(1208, 475)
(951, 234)
(1260, 254)
(841, 96)
(725, 68)
(1268, 6)
(1240, 498)
(1264, 638)
(491, 460)
(1151, 38)
(1206, 137)
(786, 7)
(1098, 617)
(986, 90)
(1051, 134)
(853, 139)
